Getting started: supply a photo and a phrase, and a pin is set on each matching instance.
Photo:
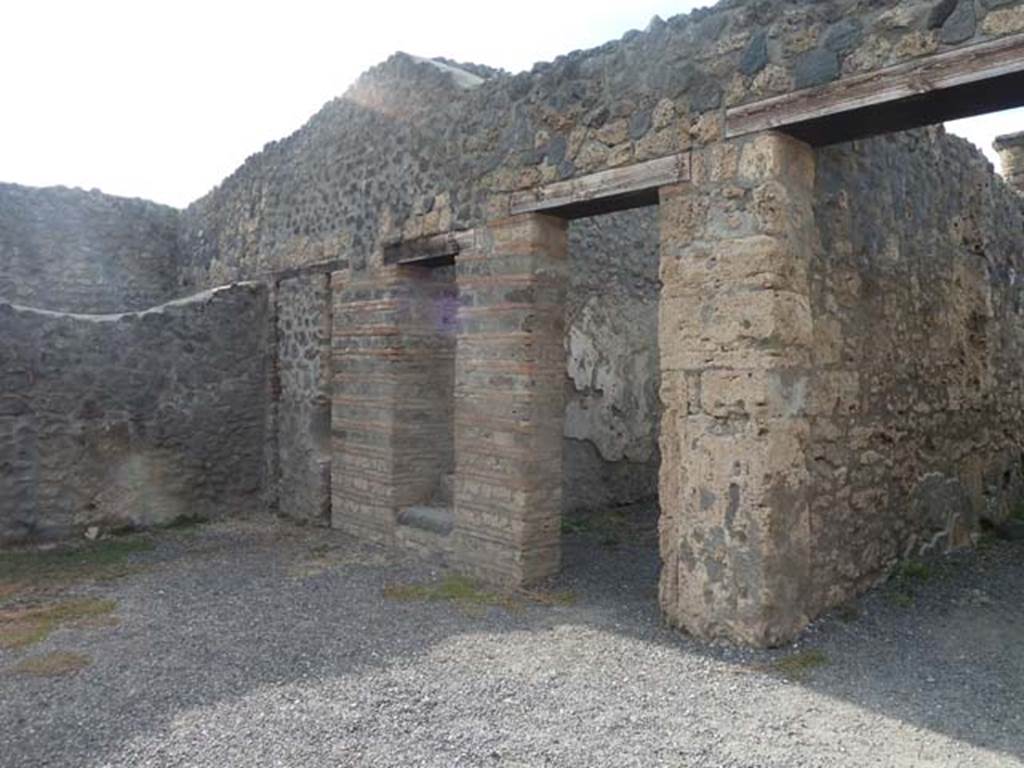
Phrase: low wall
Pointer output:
(135, 419)
(916, 297)
(73, 251)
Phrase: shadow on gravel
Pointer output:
(939, 646)
(233, 609)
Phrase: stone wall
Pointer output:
(132, 420)
(419, 147)
(303, 406)
(917, 294)
(74, 251)
(612, 409)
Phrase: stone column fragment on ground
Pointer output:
(1011, 153)
(735, 337)
(509, 400)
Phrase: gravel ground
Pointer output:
(251, 644)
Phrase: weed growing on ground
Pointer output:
(58, 568)
(797, 666)
(21, 627)
(466, 593)
(848, 612)
(56, 664)
(913, 570)
(902, 599)
(184, 522)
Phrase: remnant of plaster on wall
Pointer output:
(612, 408)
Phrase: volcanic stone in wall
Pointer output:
(132, 420)
(304, 403)
(918, 405)
(74, 251)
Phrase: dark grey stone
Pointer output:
(705, 95)
(940, 12)
(556, 150)
(844, 35)
(815, 67)
(640, 124)
(961, 24)
(755, 55)
(74, 251)
(122, 426)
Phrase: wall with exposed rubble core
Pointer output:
(73, 251)
(303, 398)
(457, 139)
(838, 330)
(460, 139)
(132, 420)
(917, 297)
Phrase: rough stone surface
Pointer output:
(735, 328)
(917, 416)
(73, 251)
(327, 190)
(132, 420)
(303, 412)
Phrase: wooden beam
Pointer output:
(958, 83)
(616, 189)
(433, 251)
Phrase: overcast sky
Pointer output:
(162, 100)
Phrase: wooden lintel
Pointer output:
(958, 83)
(432, 251)
(615, 189)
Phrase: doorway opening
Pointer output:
(611, 457)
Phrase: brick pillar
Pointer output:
(391, 431)
(735, 338)
(1011, 152)
(509, 409)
